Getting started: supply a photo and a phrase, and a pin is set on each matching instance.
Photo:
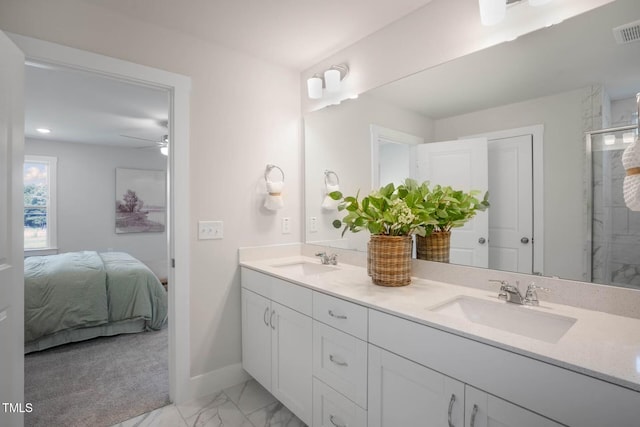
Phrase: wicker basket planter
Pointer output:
(389, 260)
(434, 247)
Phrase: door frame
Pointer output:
(537, 133)
(179, 88)
(380, 135)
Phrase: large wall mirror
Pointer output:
(533, 100)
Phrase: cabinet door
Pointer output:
(403, 393)
(256, 337)
(291, 360)
(485, 410)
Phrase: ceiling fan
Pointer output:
(162, 144)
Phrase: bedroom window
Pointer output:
(39, 203)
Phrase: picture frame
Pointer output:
(140, 201)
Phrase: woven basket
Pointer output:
(389, 260)
(434, 247)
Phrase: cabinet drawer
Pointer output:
(340, 360)
(331, 409)
(288, 294)
(344, 315)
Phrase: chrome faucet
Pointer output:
(328, 259)
(512, 294)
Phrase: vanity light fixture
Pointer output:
(609, 139)
(330, 80)
(493, 12)
(164, 150)
(43, 130)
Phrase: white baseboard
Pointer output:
(215, 381)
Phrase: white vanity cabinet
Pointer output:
(277, 339)
(404, 393)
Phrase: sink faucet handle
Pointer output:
(503, 288)
(531, 297)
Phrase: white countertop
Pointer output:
(599, 344)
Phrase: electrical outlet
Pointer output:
(313, 224)
(208, 230)
(286, 225)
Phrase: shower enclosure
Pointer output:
(614, 256)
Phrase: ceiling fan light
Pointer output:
(164, 150)
(492, 11)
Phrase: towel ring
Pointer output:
(327, 174)
(268, 171)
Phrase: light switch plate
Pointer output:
(208, 230)
(286, 225)
(313, 224)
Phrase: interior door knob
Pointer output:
(524, 240)
(482, 240)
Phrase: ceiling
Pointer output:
(87, 108)
(293, 33)
(574, 54)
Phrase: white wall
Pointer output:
(564, 162)
(338, 138)
(86, 196)
(245, 113)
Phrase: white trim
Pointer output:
(52, 203)
(379, 135)
(215, 381)
(537, 132)
(179, 87)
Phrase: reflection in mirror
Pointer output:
(533, 100)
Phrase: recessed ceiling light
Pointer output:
(44, 130)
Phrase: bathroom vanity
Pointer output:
(340, 351)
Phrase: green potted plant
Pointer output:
(392, 215)
(449, 208)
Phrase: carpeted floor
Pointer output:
(96, 383)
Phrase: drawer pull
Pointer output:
(264, 318)
(451, 402)
(473, 415)
(337, 362)
(271, 320)
(337, 316)
(333, 421)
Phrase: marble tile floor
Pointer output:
(244, 405)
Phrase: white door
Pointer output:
(11, 237)
(256, 337)
(291, 360)
(403, 393)
(463, 165)
(511, 198)
(485, 410)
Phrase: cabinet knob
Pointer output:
(451, 402)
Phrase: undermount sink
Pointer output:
(304, 268)
(518, 319)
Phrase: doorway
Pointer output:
(178, 221)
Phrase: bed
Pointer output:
(77, 296)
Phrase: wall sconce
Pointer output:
(493, 11)
(329, 80)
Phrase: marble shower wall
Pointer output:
(616, 229)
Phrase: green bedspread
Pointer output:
(87, 289)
